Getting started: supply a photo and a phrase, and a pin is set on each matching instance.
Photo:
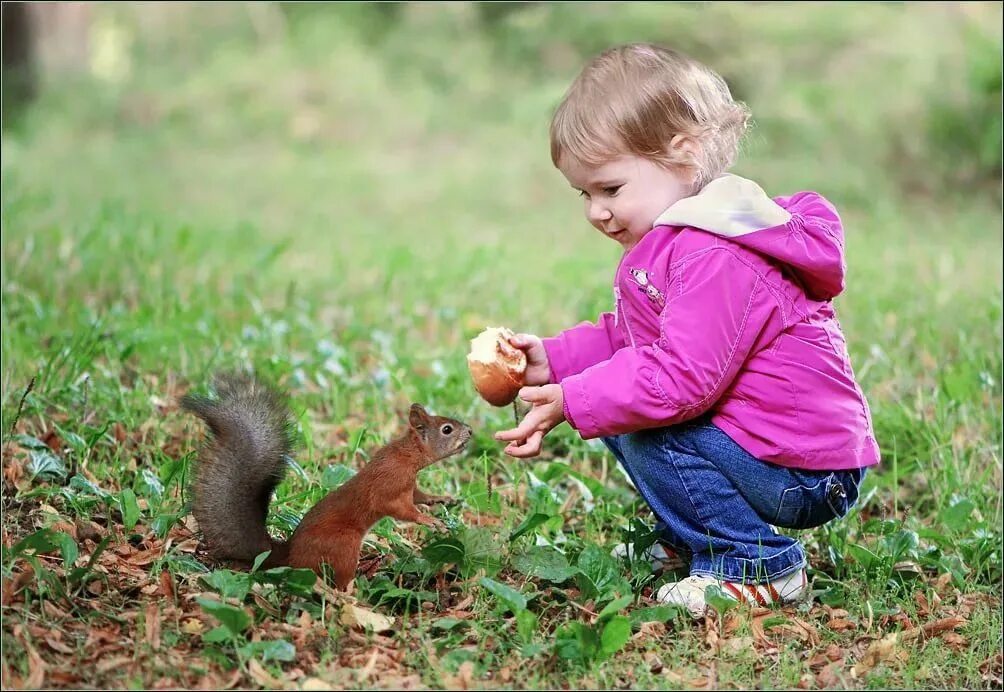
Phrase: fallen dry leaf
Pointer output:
(885, 648)
(839, 624)
(166, 588)
(363, 618)
(11, 587)
(367, 670)
(955, 641)
(54, 640)
(112, 663)
(36, 668)
(828, 676)
(152, 626)
(192, 626)
(262, 676)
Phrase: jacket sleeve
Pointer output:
(586, 344)
(718, 311)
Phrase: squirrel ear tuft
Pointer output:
(419, 419)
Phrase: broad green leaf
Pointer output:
(218, 635)
(129, 508)
(67, 547)
(615, 635)
(576, 641)
(297, 580)
(956, 517)
(526, 625)
(46, 465)
(864, 557)
(543, 562)
(614, 607)
(335, 475)
(447, 624)
(661, 613)
(30, 442)
(598, 572)
(902, 544)
(150, 485)
(78, 482)
(233, 618)
(260, 558)
(42, 541)
(529, 524)
(716, 598)
(273, 650)
(481, 551)
(444, 551)
(229, 584)
(512, 598)
(78, 573)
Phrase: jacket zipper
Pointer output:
(622, 315)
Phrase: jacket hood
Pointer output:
(802, 232)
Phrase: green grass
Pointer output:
(342, 210)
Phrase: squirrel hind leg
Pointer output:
(340, 557)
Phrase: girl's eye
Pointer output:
(611, 191)
(583, 193)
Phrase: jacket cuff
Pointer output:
(576, 406)
(565, 411)
(557, 361)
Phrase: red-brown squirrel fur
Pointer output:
(244, 459)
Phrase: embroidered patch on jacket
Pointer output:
(640, 277)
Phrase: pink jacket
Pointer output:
(736, 320)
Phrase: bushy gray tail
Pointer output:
(239, 466)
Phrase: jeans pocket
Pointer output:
(795, 509)
(807, 505)
(837, 497)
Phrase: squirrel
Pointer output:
(245, 458)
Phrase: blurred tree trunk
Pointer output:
(62, 30)
(39, 40)
(19, 72)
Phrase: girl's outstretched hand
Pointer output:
(538, 370)
(548, 411)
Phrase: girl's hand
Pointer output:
(538, 371)
(548, 411)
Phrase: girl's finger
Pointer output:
(525, 449)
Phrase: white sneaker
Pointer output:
(689, 592)
(658, 555)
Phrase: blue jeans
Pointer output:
(717, 503)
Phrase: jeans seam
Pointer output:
(690, 496)
(756, 562)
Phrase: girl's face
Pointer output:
(624, 196)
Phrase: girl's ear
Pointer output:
(687, 151)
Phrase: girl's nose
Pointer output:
(597, 212)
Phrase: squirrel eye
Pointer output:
(447, 429)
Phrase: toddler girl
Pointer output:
(721, 380)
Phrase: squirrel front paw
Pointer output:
(432, 522)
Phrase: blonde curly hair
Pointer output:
(636, 99)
